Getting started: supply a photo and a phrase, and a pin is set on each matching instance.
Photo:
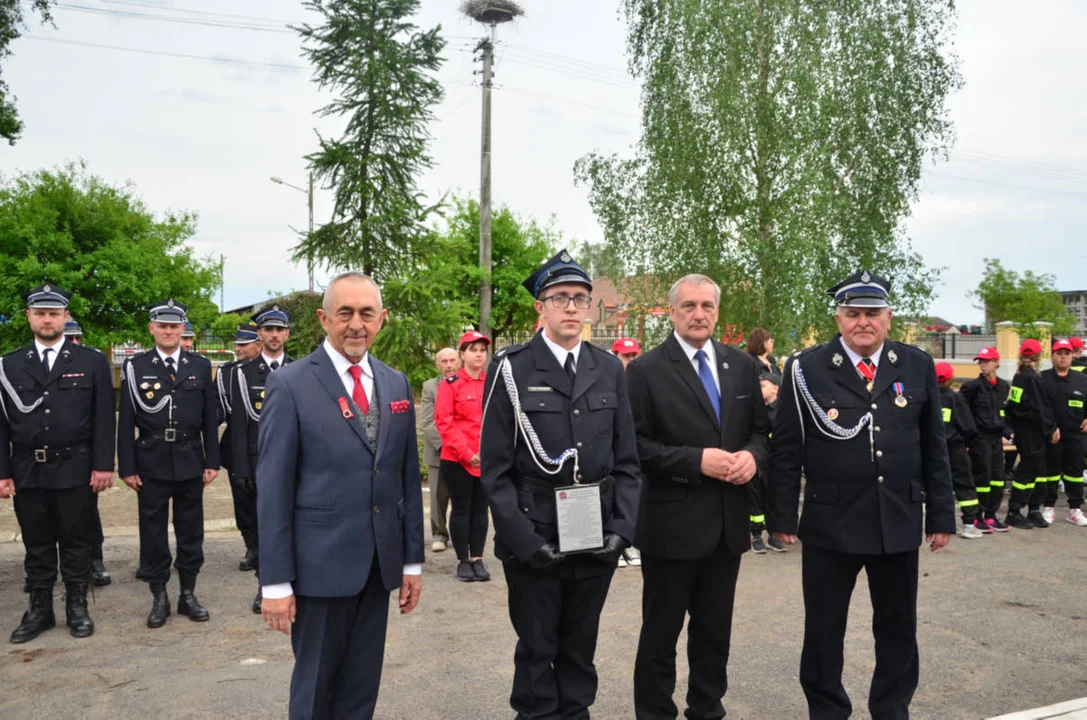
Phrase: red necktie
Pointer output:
(865, 368)
(358, 394)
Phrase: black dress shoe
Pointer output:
(480, 571)
(160, 606)
(99, 576)
(257, 602)
(249, 562)
(78, 619)
(187, 604)
(465, 572)
(37, 619)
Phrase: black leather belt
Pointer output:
(43, 455)
(171, 435)
(546, 490)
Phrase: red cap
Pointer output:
(1062, 345)
(988, 353)
(1030, 347)
(472, 336)
(944, 371)
(1076, 343)
(626, 346)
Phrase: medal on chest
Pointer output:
(900, 399)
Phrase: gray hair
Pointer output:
(692, 279)
(326, 303)
(444, 349)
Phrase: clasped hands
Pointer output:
(548, 555)
(737, 468)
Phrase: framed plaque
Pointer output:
(580, 522)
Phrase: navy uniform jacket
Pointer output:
(1066, 397)
(245, 429)
(593, 416)
(987, 403)
(859, 497)
(959, 422)
(685, 514)
(1028, 407)
(224, 381)
(73, 427)
(195, 419)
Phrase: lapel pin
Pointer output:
(345, 409)
(892, 356)
(837, 359)
(832, 413)
(724, 365)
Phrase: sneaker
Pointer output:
(438, 546)
(464, 571)
(632, 557)
(757, 545)
(776, 545)
(982, 526)
(1076, 517)
(970, 532)
(995, 524)
(1048, 514)
(1016, 520)
(480, 570)
(1035, 518)
(622, 561)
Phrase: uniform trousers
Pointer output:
(1028, 486)
(97, 537)
(557, 619)
(1064, 461)
(468, 520)
(705, 589)
(829, 578)
(339, 648)
(756, 503)
(439, 503)
(962, 479)
(987, 464)
(244, 495)
(52, 519)
(153, 499)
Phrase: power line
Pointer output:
(164, 53)
(133, 15)
(1007, 185)
(205, 13)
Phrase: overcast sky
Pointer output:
(195, 133)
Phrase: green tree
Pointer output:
(226, 325)
(1023, 299)
(12, 23)
(102, 243)
(382, 68)
(437, 299)
(782, 144)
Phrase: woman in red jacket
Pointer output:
(458, 414)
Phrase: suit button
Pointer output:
(876, 428)
(579, 477)
(47, 411)
(880, 478)
(543, 404)
(46, 393)
(875, 407)
(579, 445)
(879, 453)
(576, 413)
(377, 509)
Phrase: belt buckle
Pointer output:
(40, 456)
(169, 435)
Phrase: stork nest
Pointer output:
(491, 11)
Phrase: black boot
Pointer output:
(249, 562)
(75, 608)
(160, 606)
(99, 576)
(38, 618)
(257, 602)
(187, 604)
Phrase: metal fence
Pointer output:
(218, 349)
(949, 346)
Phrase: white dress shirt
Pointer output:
(268, 360)
(342, 365)
(854, 358)
(41, 348)
(176, 355)
(560, 352)
(711, 357)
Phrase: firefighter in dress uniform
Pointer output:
(56, 454)
(1067, 391)
(167, 394)
(556, 414)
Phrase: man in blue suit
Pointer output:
(339, 506)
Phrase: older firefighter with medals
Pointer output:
(250, 377)
(560, 469)
(861, 417)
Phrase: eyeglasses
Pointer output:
(563, 301)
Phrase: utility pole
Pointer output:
(309, 260)
(488, 12)
(487, 45)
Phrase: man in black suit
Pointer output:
(702, 433)
(168, 395)
(861, 417)
(570, 398)
(56, 453)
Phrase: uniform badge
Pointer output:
(262, 393)
(866, 277)
(832, 413)
(892, 356)
(46, 288)
(158, 386)
(144, 386)
(900, 401)
(837, 359)
(565, 257)
(149, 394)
(257, 405)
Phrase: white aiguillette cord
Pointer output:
(822, 421)
(137, 401)
(15, 400)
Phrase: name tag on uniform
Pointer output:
(579, 518)
(540, 388)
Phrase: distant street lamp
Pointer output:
(309, 195)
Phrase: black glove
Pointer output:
(249, 484)
(613, 545)
(547, 556)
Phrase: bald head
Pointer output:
(447, 361)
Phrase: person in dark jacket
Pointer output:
(961, 430)
(1066, 391)
(1032, 422)
(986, 395)
(760, 345)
